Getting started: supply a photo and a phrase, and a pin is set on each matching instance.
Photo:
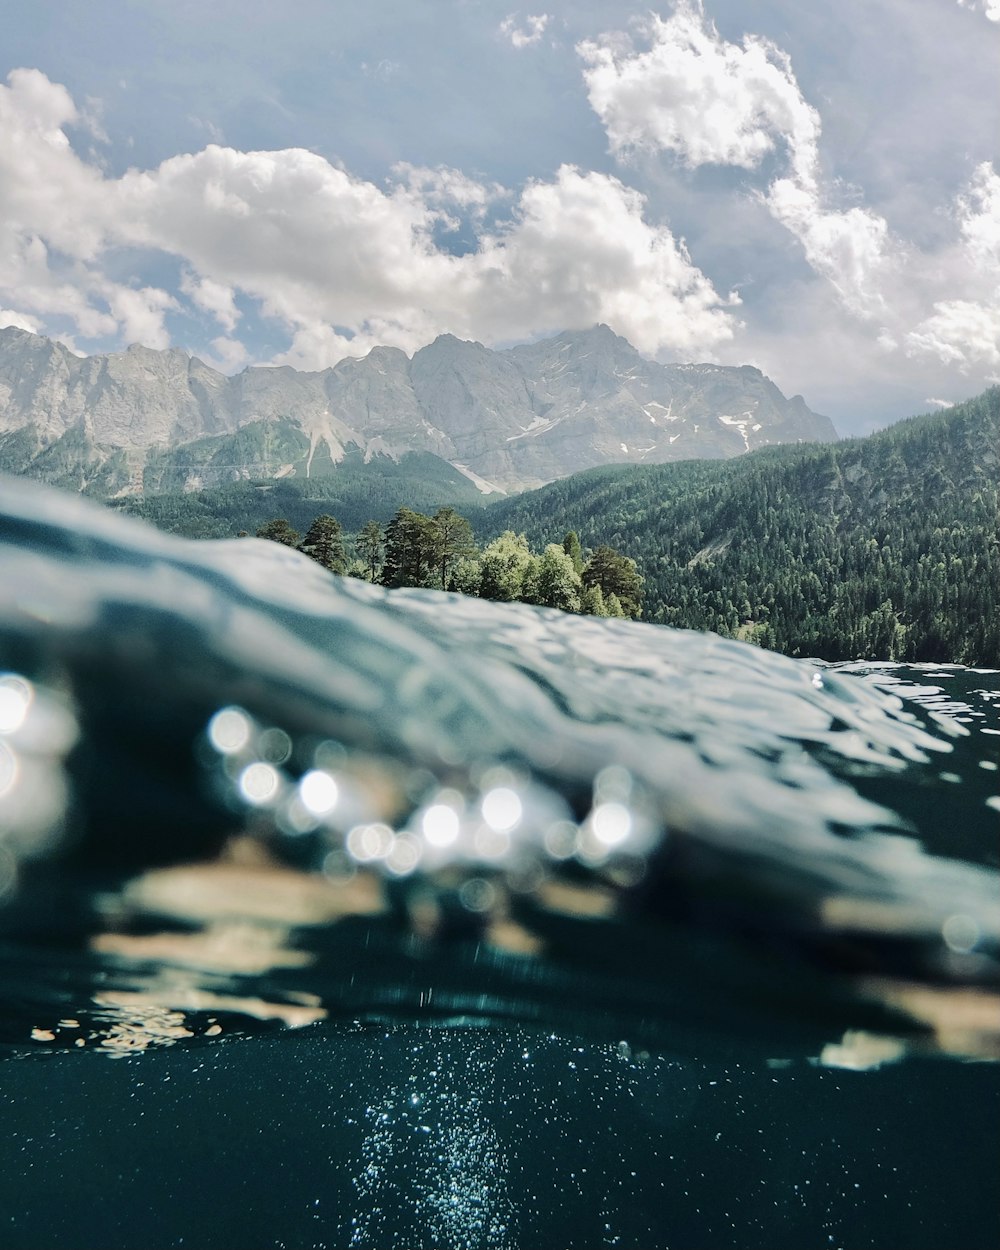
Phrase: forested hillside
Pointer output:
(355, 490)
(885, 547)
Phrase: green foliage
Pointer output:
(885, 548)
(410, 550)
(557, 583)
(571, 545)
(618, 579)
(324, 543)
(279, 531)
(368, 545)
(882, 548)
(503, 566)
(452, 539)
(353, 490)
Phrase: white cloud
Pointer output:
(979, 218)
(229, 354)
(213, 298)
(527, 34)
(964, 327)
(989, 8)
(960, 332)
(691, 93)
(580, 250)
(56, 220)
(140, 312)
(448, 190)
(852, 249)
(344, 264)
(707, 101)
(10, 318)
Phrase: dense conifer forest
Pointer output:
(886, 547)
(354, 491)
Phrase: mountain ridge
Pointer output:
(143, 421)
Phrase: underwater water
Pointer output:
(342, 917)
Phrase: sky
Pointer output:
(813, 189)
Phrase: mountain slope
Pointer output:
(885, 547)
(148, 422)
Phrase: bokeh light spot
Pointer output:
(319, 792)
(259, 783)
(15, 699)
(229, 730)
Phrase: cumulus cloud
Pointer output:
(979, 216)
(18, 321)
(851, 248)
(525, 35)
(229, 354)
(580, 250)
(965, 330)
(989, 8)
(342, 263)
(57, 219)
(445, 189)
(960, 332)
(674, 86)
(691, 93)
(212, 297)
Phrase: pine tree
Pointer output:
(279, 531)
(453, 541)
(324, 543)
(368, 545)
(617, 576)
(571, 545)
(410, 550)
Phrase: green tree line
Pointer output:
(440, 551)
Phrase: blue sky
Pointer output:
(815, 192)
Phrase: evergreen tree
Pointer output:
(571, 545)
(368, 545)
(279, 531)
(453, 541)
(617, 576)
(410, 550)
(324, 543)
(592, 601)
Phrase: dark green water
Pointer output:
(334, 918)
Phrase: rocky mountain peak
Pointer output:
(515, 418)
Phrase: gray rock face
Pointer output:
(514, 419)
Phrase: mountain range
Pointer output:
(146, 422)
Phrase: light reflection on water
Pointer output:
(507, 878)
(581, 803)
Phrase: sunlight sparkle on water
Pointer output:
(611, 822)
(319, 792)
(15, 699)
(259, 783)
(502, 808)
(441, 823)
(229, 730)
